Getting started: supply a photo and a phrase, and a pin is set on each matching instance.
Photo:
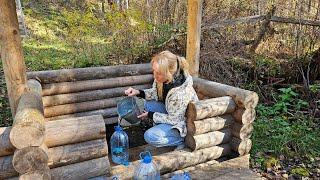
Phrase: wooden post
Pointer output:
(194, 33)
(11, 53)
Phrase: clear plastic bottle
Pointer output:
(120, 146)
(146, 170)
(181, 176)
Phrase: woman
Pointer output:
(167, 100)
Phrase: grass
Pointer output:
(285, 128)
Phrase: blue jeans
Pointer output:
(161, 134)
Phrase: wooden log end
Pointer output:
(28, 132)
(242, 131)
(34, 86)
(242, 147)
(30, 159)
(251, 101)
(244, 116)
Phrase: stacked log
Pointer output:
(243, 114)
(209, 122)
(28, 133)
(70, 144)
(80, 74)
(90, 97)
(89, 91)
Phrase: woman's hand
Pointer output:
(144, 115)
(131, 92)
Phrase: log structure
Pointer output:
(75, 106)
(60, 115)
(68, 141)
(67, 117)
(223, 115)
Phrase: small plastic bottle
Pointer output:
(146, 170)
(181, 176)
(120, 146)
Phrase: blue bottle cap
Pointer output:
(147, 159)
(118, 128)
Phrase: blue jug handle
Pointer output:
(125, 163)
(144, 152)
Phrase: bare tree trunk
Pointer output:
(11, 52)
(103, 6)
(166, 11)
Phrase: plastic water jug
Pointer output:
(120, 146)
(129, 108)
(181, 176)
(146, 170)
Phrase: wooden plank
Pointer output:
(81, 74)
(11, 54)
(194, 35)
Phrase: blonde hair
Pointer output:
(168, 65)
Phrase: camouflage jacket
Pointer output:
(176, 103)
